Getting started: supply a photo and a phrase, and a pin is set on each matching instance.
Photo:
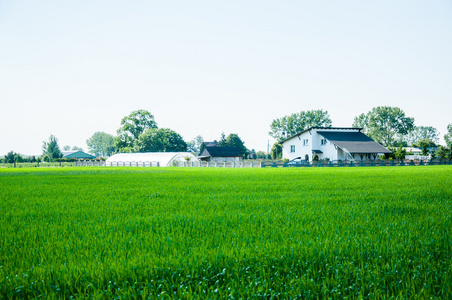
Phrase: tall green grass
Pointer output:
(226, 233)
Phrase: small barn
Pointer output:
(220, 154)
(77, 155)
(155, 159)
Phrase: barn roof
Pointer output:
(77, 154)
(329, 128)
(353, 142)
(221, 152)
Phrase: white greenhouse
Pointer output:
(151, 159)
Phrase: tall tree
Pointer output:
(160, 140)
(233, 140)
(101, 144)
(448, 136)
(422, 133)
(51, 148)
(384, 123)
(195, 144)
(10, 158)
(290, 125)
(132, 126)
(276, 151)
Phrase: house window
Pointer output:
(323, 142)
(305, 142)
(292, 148)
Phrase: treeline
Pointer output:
(138, 132)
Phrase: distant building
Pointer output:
(160, 159)
(220, 154)
(332, 143)
(77, 155)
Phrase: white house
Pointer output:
(333, 143)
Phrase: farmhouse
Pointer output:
(332, 143)
(77, 155)
(220, 154)
(160, 159)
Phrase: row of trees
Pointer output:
(138, 132)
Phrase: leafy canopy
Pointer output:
(131, 127)
(160, 140)
(233, 140)
(51, 149)
(290, 125)
(195, 144)
(101, 144)
(448, 136)
(422, 133)
(384, 123)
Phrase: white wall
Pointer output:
(223, 159)
(300, 150)
(314, 143)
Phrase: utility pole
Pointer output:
(268, 149)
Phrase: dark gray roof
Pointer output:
(353, 142)
(310, 128)
(211, 144)
(221, 152)
(317, 151)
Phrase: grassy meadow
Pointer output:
(276, 233)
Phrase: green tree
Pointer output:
(422, 133)
(195, 144)
(66, 148)
(276, 151)
(448, 136)
(424, 144)
(400, 153)
(233, 140)
(222, 141)
(10, 158)
(75, 148)
(290, 125)
(51, 148)
(160, 140)
(384, 123)
(362, 121)
(444, 152)
(131, 127)
(101, 144)
(261, 155)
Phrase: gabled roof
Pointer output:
(353, 142)
(328, 128)
(221, 152)
(77, 154)
(211, 144)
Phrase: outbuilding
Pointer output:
(156, 159)
(77, 155)
(221, 154)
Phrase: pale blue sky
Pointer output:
(71, 68)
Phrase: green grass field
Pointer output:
(226, 233)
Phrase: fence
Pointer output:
(245, 164)
(364, 163)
